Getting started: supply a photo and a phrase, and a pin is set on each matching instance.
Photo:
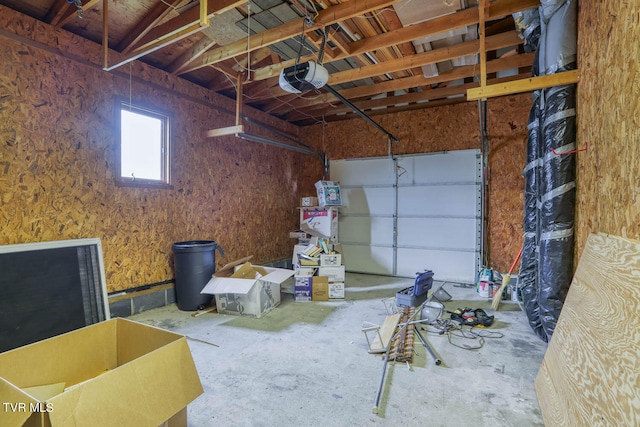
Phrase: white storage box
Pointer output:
(329, 193)
(320, 222)
(335, 274)
(330, 260)
(336, 290)
(250, 290)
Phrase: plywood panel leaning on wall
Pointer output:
(590, 375)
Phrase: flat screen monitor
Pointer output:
(50, 288)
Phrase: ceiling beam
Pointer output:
(186, 20)
(150, 20)
(511, 38)
(315, 102)
(416, 99)
(511, 62)
(497, 10)
(291, 29)
(525, 85)
(61, 16)
(349, 115)
(57, 10)
(184, 25)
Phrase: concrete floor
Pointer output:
(307, 364)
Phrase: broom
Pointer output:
(505, 282)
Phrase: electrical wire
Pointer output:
(455, 331)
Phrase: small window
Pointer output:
(144, 146)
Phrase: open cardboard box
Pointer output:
(245, 289)
(114, 373)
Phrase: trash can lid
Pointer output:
(195, 244)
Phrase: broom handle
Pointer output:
(515, 262)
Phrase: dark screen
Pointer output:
(41, 295)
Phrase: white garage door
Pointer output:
(405, 214)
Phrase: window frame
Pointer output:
(167, 144)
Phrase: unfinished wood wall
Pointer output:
(454, 127)
(608, 176)
(589, 375)
(58, 154)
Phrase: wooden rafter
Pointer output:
(440, 96)
(431, 57)
(178, 28)
(191, 54)
(511, 38)
(463, 18)
(291, 29)
(525, 85)
(410, 98)
(62, 12)
(516, 61)
(150, 20)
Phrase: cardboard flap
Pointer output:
(45, 392)
(227, 269)
(315, 233)
(278, 275)
(14, 396)
(134, 394)
(246, 272)
(228, 285)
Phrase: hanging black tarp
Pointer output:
(547, 261)
(529, 263)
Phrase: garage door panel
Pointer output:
(359, 172)
(420, 232)
(447, 200)
(453, 266)
(366, 230)
(366, 200)
(368, 259)
(426, 217)
(452, 166)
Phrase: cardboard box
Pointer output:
(309, 201)
(329, 193)
(335, 274)
(330, 260)
(320, 222)
(244, 289)
(113, 373)
(336, 290)
(306, 271)
(302, 285)
(320, 288)
(298, 235)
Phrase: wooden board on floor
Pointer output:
(590, 374)
(386, 332)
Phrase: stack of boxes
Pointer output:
(317, 258)
(319, 272)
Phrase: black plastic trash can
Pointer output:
(195, 263)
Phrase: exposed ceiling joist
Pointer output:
(291, 29)
(403, 35)
(497, 65)
(525, 85)
(384, 59)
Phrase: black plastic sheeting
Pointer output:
(529, 264)
(549, 200)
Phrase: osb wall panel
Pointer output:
(454, 127)
(608, 187)
(57, 166)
